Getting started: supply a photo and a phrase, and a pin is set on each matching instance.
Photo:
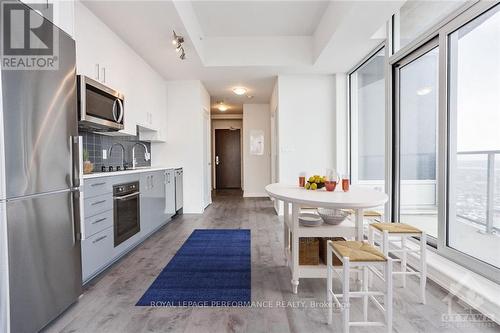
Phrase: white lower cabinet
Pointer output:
(97, 252)
(97, 223)
(157, 206)
(156, 199)
(169, 192)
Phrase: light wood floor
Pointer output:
(107, 304)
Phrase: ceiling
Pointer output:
(247, 43)
(258, 18)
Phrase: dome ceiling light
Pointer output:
(240, 90)
(222, 107)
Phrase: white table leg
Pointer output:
(295, 247)
(359, 224)
(286, 236)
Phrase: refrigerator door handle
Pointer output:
(77, 201)
(76, 150)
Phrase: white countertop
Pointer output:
(356, 197)
(125, 172)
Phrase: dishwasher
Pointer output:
(178, 191)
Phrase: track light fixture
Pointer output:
(177, 42)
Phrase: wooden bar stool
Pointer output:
(392, 233)
(355, 256)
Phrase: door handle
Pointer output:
(77, 216)
(115, 117)
(216, 160)
(76, 149)
(120, 116)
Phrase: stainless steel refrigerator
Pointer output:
(40, 172)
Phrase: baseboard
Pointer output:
(255, 195)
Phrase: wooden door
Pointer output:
(227, 158)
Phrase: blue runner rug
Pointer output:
(212, 268)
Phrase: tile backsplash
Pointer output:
(95, 143)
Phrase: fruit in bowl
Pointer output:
(315, 182)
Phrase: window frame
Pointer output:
(439, 32)
(364, 61)
(470, 262)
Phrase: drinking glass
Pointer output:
(302, 179)
(345, 182)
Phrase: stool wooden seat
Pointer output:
(396, 228)
(393, 233)
(358, 255)
(358, 251)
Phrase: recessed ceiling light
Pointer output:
(240, 90)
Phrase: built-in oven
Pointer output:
(100, 108)
(126, 211)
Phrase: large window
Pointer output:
(417, 113)
(474, 138)
(415, 17)
(446, 135)
(367, 117)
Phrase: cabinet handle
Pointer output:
(97, 70)
(104, 74)
(100, 220)
(97, 184)
(98, 202)
(99, 239)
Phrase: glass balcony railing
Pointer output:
(477, 189)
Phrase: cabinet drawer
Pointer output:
(97, 252)
(95, 187)
(96, 205)
(98, 223)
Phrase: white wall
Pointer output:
(307, 125)
(186, 101)
(257, 168)
(341, 124)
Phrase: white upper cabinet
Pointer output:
(103, 56)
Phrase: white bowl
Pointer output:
(332, 216)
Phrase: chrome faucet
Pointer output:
(146, 154)
(123, 152)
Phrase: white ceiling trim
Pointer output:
(227, 116)
(258, 51)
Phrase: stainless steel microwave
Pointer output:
(100, 108)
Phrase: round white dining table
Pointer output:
(357, 198)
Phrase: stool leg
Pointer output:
(365, 297)
(370, 236)
(372, 243)
(388, 295)
(345, 297)
(385, 243)
(403, 259)
(423, 266)
(329, 284)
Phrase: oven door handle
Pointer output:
(128, 196)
